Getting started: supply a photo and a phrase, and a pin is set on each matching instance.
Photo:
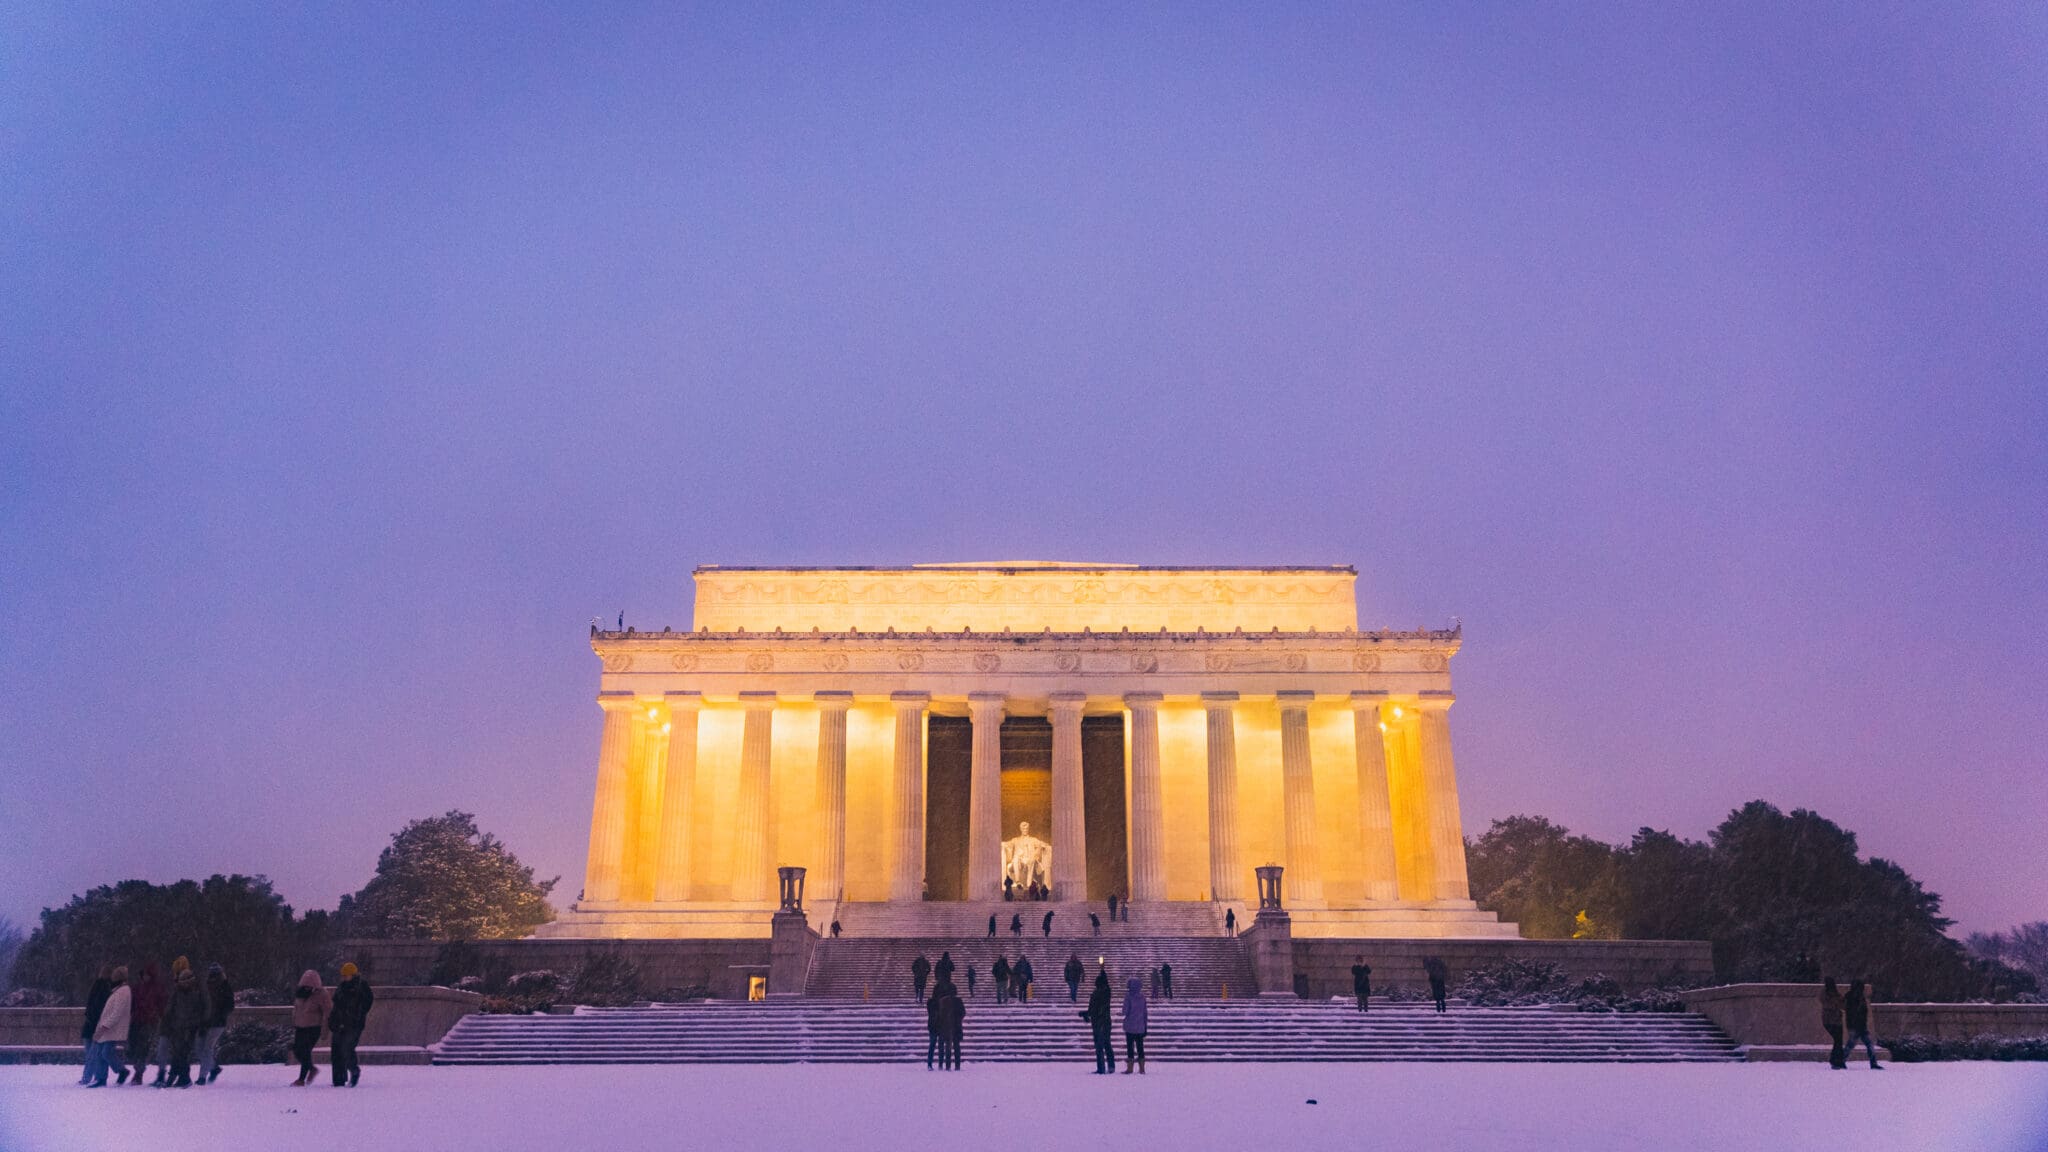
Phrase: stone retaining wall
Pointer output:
(1789, 1014)
(402, 1017)
(1634, 964)
(722, 966)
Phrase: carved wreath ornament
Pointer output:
(987, 662)
(910, 661)
(1144, 662)
(617, 662)
(835, 662)
(1067, 661)
(760, 662)
(1218, 661)
(1366, 661)
(1296, 662)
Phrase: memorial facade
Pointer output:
(917, 737)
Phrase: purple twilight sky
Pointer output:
(352, 359)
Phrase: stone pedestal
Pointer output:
(1270, 941)
(790, 944)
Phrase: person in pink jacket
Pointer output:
(310, 1006)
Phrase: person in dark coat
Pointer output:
(991, 925)
(1046, 927)
(95, 1003)
(970, 980)
(1016, 924)
(1074, 974)
(1002, 974)
(1439, 977)
(920, 971)
(220, 1001)
(835, 929)
(942, 972)
(935, 1026)
(345, 1022)
(1166, 979)
(1230, 921)
(1112, 907)
(184, 1016)
(1135, 1018)
(1095, 923)
(1831, 1009)
(1009, 888)
(956, 1024)
(1856, 1017)
(1361, 981)
(1097, 1014)
(146, 1014)
(1021, 974)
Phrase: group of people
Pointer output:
(1098, 1014)
(166, 1023)
(176, 1023)
(1035, 890)
(1847, 1020)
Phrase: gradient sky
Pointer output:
(352, 360)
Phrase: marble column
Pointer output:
(643, 816)
(1226, 874)
(906, 817)
(1298, 786)
(1408, 794)
(753, 842)
(1440, 781)
(1375, 801)
(601, 873)
(827, 878)
(678, 799)
(1069, 804)
(1148, 809)
(985, 798)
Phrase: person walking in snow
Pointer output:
(942, 972)
(112, 1031)
(956, 1024)
(1361, 981)
(1097, 1014)
(1074, 974)
(220, 1001)
(991, 925)
(146, 1012)
(934, 1026)
(1134, 1028)
(184, 1016)
(1112, 907)
(1856, 1014)
(1022, 974)
(345, 1024)
(1016, 924)
(95, 1003)
(1230, 921)
(1831, 1014)
(1439, 977)
(1002, 974)
(1046, 927)
(310, 1005)
(1095, 924)
(970, 981)
(920, 971)
(1166, 979)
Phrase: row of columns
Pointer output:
(662, 736)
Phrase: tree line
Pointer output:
(1782, 896)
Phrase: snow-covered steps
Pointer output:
(1049, 1029)
(879, 969)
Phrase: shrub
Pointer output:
(1527, 982)
(255, 1042)
(525, 993)
(681, 995)
(32, 998)
(455, 960)
(604, 980)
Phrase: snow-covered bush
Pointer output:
(1919, 1049)
(255, 1042)
(32, 998)
(603, 980)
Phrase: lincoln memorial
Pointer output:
(1161, 732)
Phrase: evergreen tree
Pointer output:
(1552, 883)
(443, 879)
(2024, 948)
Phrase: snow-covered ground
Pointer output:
(1051, 1108)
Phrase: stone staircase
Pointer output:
(803, 1030)
(1069, 919)
(878, 969)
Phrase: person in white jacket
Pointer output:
(111, 1033)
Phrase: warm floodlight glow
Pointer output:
(1397, 712)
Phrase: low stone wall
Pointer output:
(1789, 1014)
(722, 966)
(1634, 964)
(402, 1017)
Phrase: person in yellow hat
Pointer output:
(345, 1023)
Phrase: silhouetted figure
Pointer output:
(1016, 924)
(1009, 888)
(1166, 979)
(184, 1016)
(991, 925)
(835, 929)
(1856, 1010)
(220, 1003)
(1046, 926)
(1074, 974)
(1230, 922)
(935, 1026)
(1001, 972)
(1135, 1014)
(95, 1003)
(345, 1024)
(1831, 1010)
(953, 1021)
(1123, 910)
(1097, 1014)
(920, 970)
(1022, 974)
(1361, 981)
(943, 970)
(146, 1012)
(1112, 907)
(1439, 977)
(970, 979)
(1095, 923)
